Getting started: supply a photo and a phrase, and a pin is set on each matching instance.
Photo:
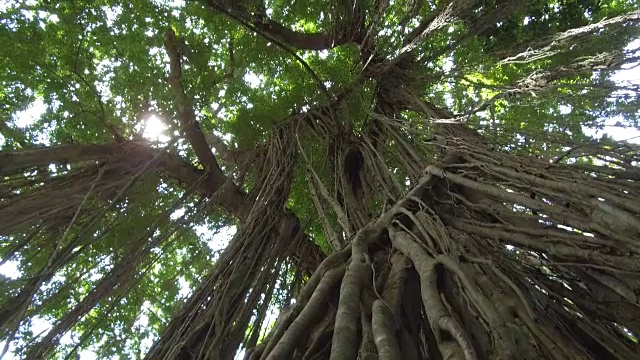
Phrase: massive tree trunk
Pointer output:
(472, 264)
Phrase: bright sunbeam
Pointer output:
(154, 130)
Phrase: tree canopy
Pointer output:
(388, 179)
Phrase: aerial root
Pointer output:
(296, 321)
(456, 344)
(431, 275)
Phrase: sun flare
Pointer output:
(154, 129)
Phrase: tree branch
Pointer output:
(186, 114)
(232, 199)
(298, 40)
(258, 27)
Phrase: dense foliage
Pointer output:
(161, 127)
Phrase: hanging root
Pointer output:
(572, 250)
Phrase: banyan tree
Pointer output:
(263, 180)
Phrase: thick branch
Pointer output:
(298, 40)
(10, 161)
(227, 194)
(186, 114)
(171, 164)
(295, 39)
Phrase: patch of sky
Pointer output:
(226, 136)
(177, 214)
(30, 115)
(185, 288)
(252, 79)
(564, 109)
(6, 4)
(111, 14)
(323, 54)
(169, 3)
(216, 240)
(9, 269)
(629, 76)
(40, 327)
(447, 64)
(384, 32)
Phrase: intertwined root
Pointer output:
(489, 257)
